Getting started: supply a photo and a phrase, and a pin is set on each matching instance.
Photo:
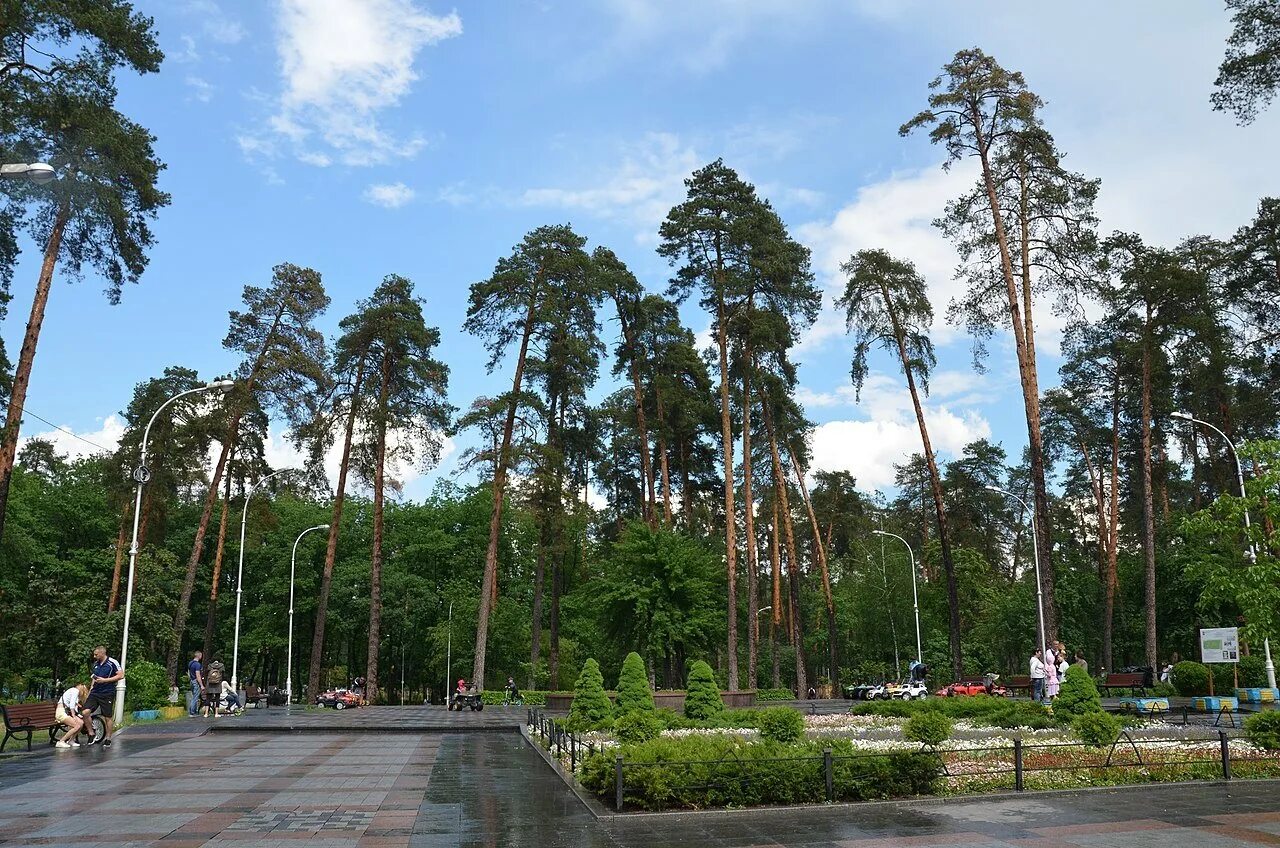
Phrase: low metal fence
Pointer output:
(558, 740)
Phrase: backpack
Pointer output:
(214, 675)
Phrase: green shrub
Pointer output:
(1097, 728)
(702, 695)
(930, 728)
(146, 686)
(633, 686)
(1250, 673)
(591, 707)
(1263, 730)
(637, 726)
(982, 710)
(698, 772)
(1078, 695)
(765, 695)
(1163, 690)
(672, 720)
(731, 719)
(780, 724)
(1191, 678)
(531, 697)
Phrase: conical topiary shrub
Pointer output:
(702, 695)
(591, 707)
(633, 686)
(1078, 695)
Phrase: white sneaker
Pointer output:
(62, 744)
(74, 744)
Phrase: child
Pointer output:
(67, 714)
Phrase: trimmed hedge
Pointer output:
(979, 709)
(1190, 678)
(764, 695)
(929, 728)
(1078, 695)
(633, 686)
(531, 697)
(780, 724)
(591, 706)
(696, 772)
(702, 695)
(1097, 729)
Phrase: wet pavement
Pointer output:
(176, 786)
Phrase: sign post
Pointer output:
(1219, 645)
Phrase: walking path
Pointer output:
(251, 784)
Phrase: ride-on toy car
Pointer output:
(987, 686)
(907, 691)
(339, 699)
(470, 698)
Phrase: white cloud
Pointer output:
(343, 63)
(104, 439)
(640, 190)
(201, 89)
(389, 195)
(280, 453)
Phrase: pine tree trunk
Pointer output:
(1113, 534)
(793, 563)
(331, 549)
(686, 491)
(1148, 506)
(818, 546)
(662, 458)
(489, 586)
(212, 616)
(27, 356)
(553, 649)
(1025, 350)
(648, 509)
(121, 538)
(749, 531)
(775, 558)
(544, 543)
(730, 529)
(375, 561)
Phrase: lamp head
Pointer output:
(879, 533)
(223, 386)
(1181, 416)
(993, 489)
(40, 173)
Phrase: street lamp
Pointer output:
(448, 658)
(1035, 555)
(763, 610)
(141, 475)
(1251, 555)
(293, 567)
(35, 172)
(244, 514)
(915, 598)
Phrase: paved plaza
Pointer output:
(274, 780)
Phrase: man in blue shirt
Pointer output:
(195, 676)
(102, 696)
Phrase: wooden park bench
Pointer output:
(22, 719)
(1135, 682)
(1018, 682)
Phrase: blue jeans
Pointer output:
(1037, 689)
(193, 699)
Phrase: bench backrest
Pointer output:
(1019, 681)
(39, 714)
(1127, 679)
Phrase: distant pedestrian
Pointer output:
(1037, 676)
(1050, 675)
(1081, 662)
(195, 677)
(102, 695)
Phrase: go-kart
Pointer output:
(859, 692)
(339, 699)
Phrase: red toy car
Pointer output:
(973, 687)
(339, 699)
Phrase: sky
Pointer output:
(369, 137)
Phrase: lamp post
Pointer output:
(763, 610)
(448, 658)
(244, 515)
(1250, 555)
(1035, 555)
(141, 475)
(293, 567)
(915, 598)
(35, 172)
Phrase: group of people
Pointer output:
(79, 703)
(210, 691)
(1049, 668)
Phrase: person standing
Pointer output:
(1037, 677)
(195, 677)
(1051, 675)
(102, 696)
(1081, 662)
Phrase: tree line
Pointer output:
(712, 513)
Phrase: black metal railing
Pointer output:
(560, 741)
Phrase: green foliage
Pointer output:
(1249, 75)
(1190, 678)
(637, 726)
(1096, 728)
(766, 695)
(531, 697)
(1263, 730)
(633, 686)
(146, 686)
(700, 772)
(929, 728)
(702, 696)
(1078, 695)
(780, 724)
(591, 707)
(982, 710)
(1251, 672)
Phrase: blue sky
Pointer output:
(365, 137)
